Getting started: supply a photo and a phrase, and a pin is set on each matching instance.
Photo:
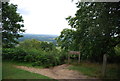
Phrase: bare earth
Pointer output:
(57, 72)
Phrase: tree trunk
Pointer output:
(104, 65)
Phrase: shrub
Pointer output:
(19, 54)
(51, 58)
(36, 55)
(13, 54)
(8, 53)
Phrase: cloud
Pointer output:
(23, 11)
(45, 16)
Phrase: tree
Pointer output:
(46, 46)
(65, 40)
(12, 24)
(97, 29)
(30, 44)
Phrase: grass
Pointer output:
(94, 70)
(0, 67)
(10, 72)
(28, 64)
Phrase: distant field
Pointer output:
(40, 37)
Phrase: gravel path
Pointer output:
(57, 72)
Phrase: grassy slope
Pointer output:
(10, 72)
(0, 71)
(94, 70)
(28, 64)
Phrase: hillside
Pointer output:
(40, 37)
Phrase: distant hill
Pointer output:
(40, 37)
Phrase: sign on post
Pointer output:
(74, 52)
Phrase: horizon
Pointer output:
(40, 34)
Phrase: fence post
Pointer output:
(68, 58)
(79, 58)
(104, 65)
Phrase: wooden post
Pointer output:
(79, 58)
(68, 58)
(104, 64)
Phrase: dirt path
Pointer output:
(57, 72)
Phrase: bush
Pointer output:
(17, 54)
(8, 53)
(48, 59)
(32, 54)
(28, 53)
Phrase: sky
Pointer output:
(45, 16)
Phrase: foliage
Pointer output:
(13, 54)
(48, 59)
(12, 24)
(35, 44)
(97, 29)
(29, 44)
(30, 51)
(66, 41)
(47, 46)
(115, 55)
